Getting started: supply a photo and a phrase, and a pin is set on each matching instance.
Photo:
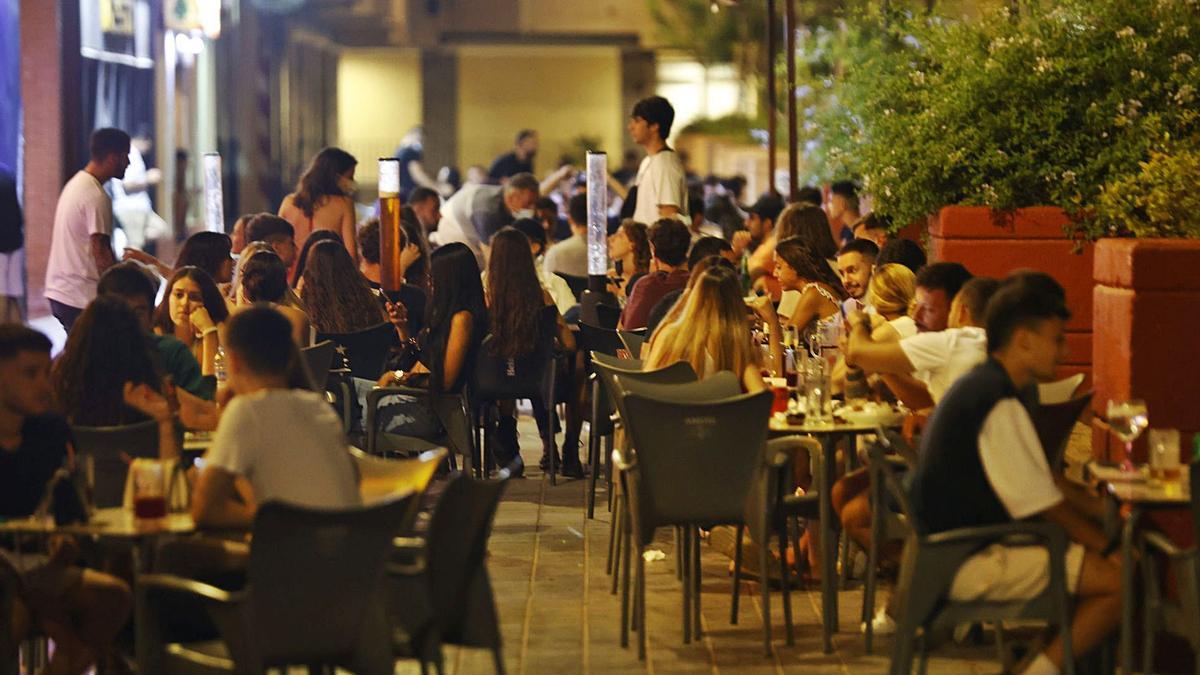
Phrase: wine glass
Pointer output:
(1128, 419)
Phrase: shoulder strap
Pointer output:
(824, 293)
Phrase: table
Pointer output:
(828, 433)
(197, 441)
(1137, 497)
(115, 524)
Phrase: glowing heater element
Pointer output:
(214, 198)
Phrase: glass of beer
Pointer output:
(391, 236)
(149, 490)
(1164, 454)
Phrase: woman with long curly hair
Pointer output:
(629, 250)
(191, 310)
(323, 198)
(515, 300)
(302, 259)
(798, 268)
(107, 347)
(809, 224)
(336, 295)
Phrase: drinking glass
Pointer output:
(817, 387)
(779, 388)
(149, 490)
(1164, 454)
(1128, 419)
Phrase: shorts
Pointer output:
(1004, 573)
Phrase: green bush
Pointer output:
(1161, 200)
(1046, 108)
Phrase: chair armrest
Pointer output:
(1032, 532)
(208, 592)
(781, 450)
(1159, 541)
(624, 461)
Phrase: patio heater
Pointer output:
(214, 199)
(391, 274)
(597, 221)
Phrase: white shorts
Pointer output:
(1002, 573)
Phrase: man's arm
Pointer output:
(1079, 529)
(419, 176)
(667, 210)
(215, 503)
(872, 356)
(550, 182)
(102, 252)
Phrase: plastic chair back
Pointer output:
(315, 579)
(599, 309)
(632, 364)
(380, 478)
(104, 450)
(456, 552)
(719, 385)
(633, 341)
(593, 338)
(530, 375)
(577, 284)
(366, 350)
(1054, 423)
(679, 372)
(697, 462)
(319, 360)
(1060, 391)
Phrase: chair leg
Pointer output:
(845, 547)
(764, 581)
(593, 449)
(549, 442)
(626, 564)
(868, 606)
(679, 563)
(498, 661)
(794, 525)
(683, 563)
(613, 531)
(785, 586)
(640, 603)
(696, 584)
(609, 471)
(737, 574)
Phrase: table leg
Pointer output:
(829, 542)
(141, 642)
(1127, 592)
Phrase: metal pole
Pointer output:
(772, 112)
(790, 55)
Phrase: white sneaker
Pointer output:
(882, 624)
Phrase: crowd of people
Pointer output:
(213, 339)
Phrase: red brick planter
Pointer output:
(1146, 325)
(993, 244)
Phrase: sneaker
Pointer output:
(882, 624)
(572, 470)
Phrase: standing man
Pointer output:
(131, 198)
(661, 184)
(519, 160)
(412, 171)
(12, 251)
(476, 212)
(81, 243)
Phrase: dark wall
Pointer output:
(10, 83)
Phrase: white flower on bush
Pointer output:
(1137, 75)
(1068, 177)
(1042, 65)
(1185, 94)
(988, 192)
(1180, 59)
(917, 77)
(1126, 32)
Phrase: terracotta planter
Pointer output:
(1145, 332)
(993, 244)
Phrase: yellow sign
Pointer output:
(116, 16)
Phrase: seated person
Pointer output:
(702, 248)
(276, 232)
(410, 295)
(130, 282)
(936, 357)
(570, 256)
(564, 297)
(669, 242)
(981, 464)
(81, 610)
(855, 265)
(287, 443)
(904, 252)
(264, 280)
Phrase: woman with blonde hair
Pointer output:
(891, 292)
(712, 330)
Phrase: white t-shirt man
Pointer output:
(288, 443)
(660, 182)
(569, 257)
(940, 358)
(83, 209)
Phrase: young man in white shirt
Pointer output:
(981, 464)
(661, 182)
(285, 443)
(81, 242)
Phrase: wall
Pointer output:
(379, 98)
(562, 92)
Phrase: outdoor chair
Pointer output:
(449, 407)
(104, 450)
(591, 341)
(313, 596)
(599, 309)
(696, 464)
(380, 477)
(530, 376)
(888, 521)
(319, 361)
(927, 570)
(633, 341)
(1054, 423)
(438, 587)
(577, 284)
(1179, 615)
(1059, 391)
(367, 350)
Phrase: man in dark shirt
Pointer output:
(412, 297)
(704, 247)
(80, 610)
(981, 463)
(669, 241)
(519, 160)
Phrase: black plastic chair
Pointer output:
(367, 350)
(319, 360)
(884, 462)
(442, 594)
(599, 309)
(1054, 423)
(633, 341)
(103, 451)
(10, 650)
(451, 410)
(577, 284)
(313, 596)
(927, 571)
(530, 376)
(697, 464)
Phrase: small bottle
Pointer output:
(219, 366)
(856, 384)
